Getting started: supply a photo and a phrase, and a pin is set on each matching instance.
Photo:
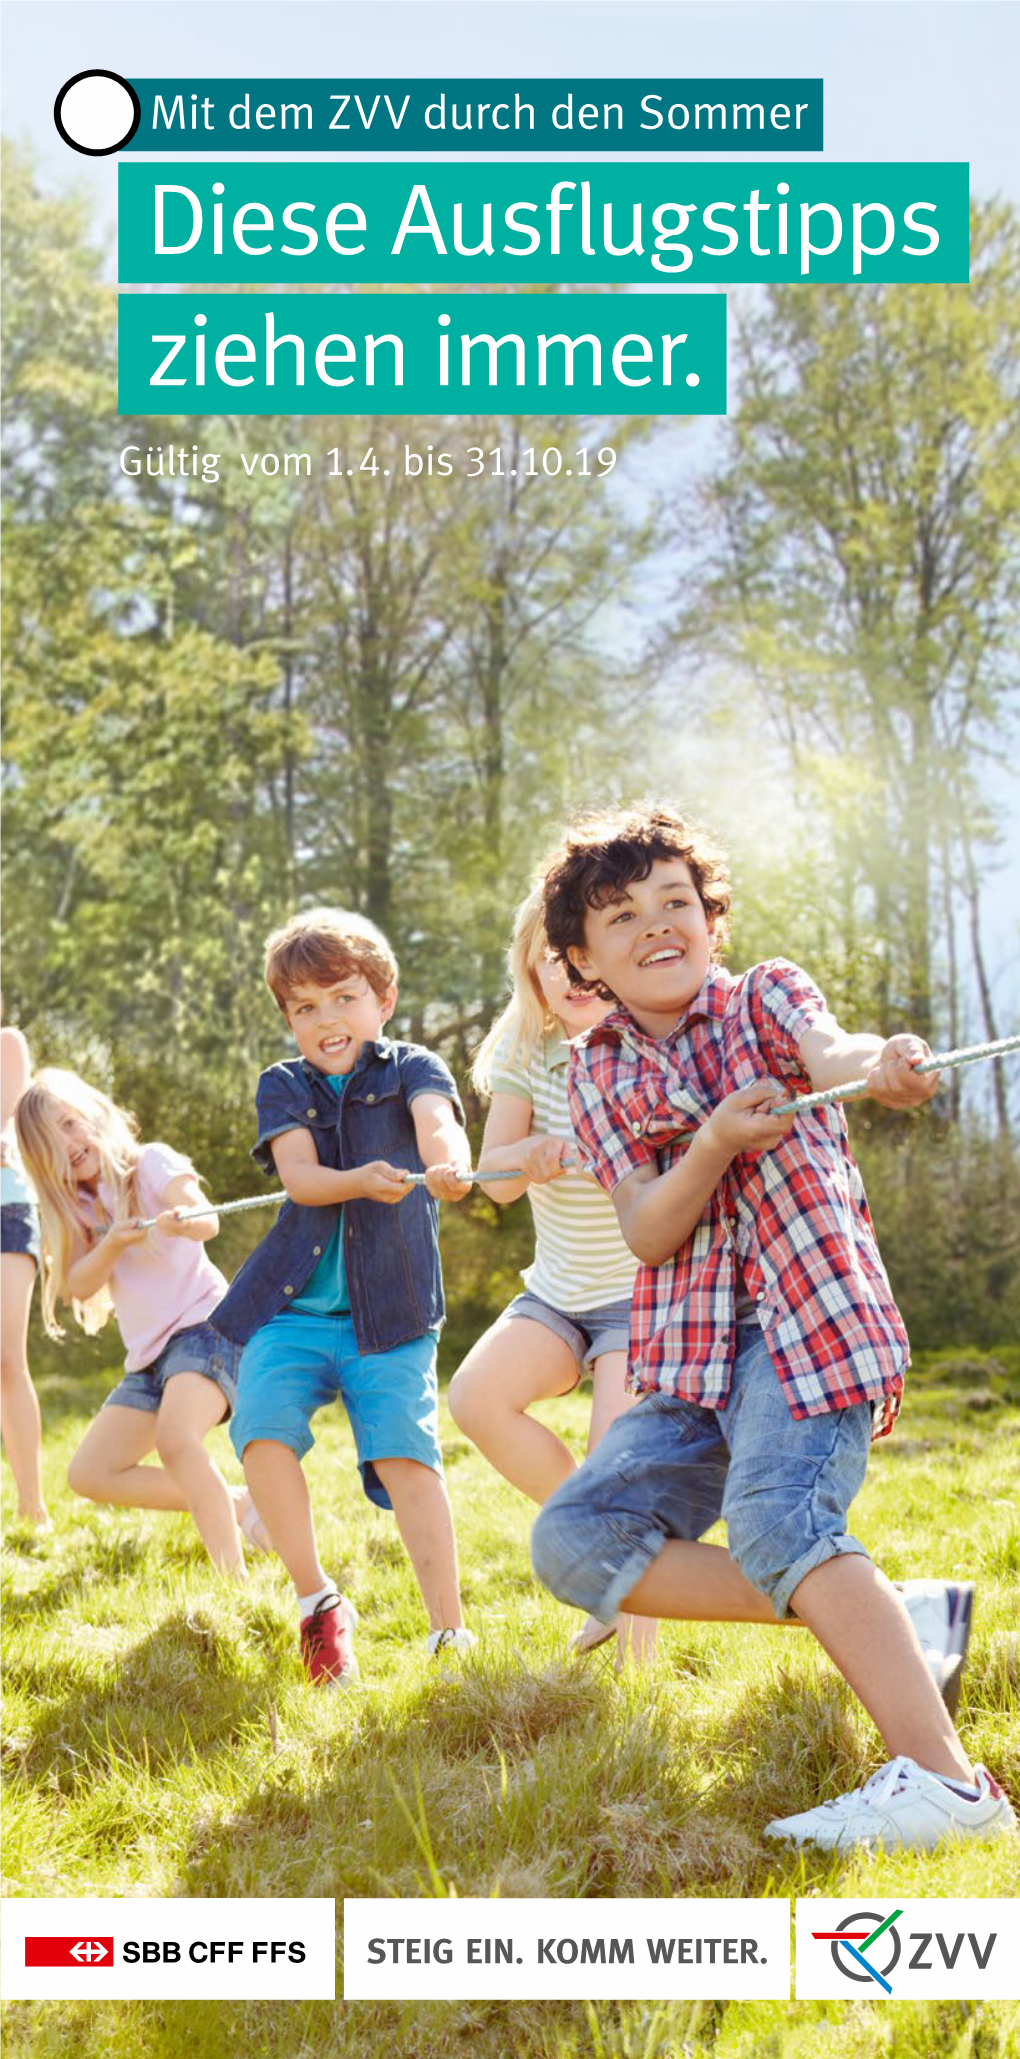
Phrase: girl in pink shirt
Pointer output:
(96, 1185)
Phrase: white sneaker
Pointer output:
(249, 1522)
(458, 1641)
(592, 1633)
(940, 1611)
(900, 1805)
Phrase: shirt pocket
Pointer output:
(648, 1115)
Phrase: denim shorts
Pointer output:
(19, 1231)
(669, 1468)
(299, 1363)
(199, 1349)
(589, 1335)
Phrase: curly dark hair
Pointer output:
(605, 850)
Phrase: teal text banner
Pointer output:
(422, 353)
(184, 116)
(365, 224)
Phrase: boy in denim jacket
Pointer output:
(344, 1295)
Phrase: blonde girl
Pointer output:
(20, 1421)
(574, 1315)
(96, 1185)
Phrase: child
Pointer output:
(765, 1339)
(575, 1314)
(19, 1227)
(344, 1296)
(96, 1185)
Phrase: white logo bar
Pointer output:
(545, 1946)
(172, 1948)
(873, 1949)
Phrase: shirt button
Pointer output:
(310, 1113)
(316, 1250)
(370, 1097)
(288, 1290)
(638, 1127)
(758, 1297)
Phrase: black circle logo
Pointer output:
(97, 112)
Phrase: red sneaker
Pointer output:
(327, 1643)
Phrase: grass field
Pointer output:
(159, 1739)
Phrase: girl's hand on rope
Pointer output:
(892, 1079)
(131, 1231)
(743, 1121)
(447, 1182)
(381, 1182)
(543, 1159)
(169, 1224)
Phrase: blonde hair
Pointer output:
(114, 1133)
(525, 1020)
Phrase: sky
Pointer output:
(904, 79)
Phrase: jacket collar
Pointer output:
(375, 1048)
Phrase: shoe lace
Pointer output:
(886, 1782)
(313, 1628)
(877, 1790)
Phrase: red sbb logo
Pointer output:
(69, 1951)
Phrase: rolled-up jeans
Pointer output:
(669, 1468)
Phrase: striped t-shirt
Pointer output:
(581, 1260)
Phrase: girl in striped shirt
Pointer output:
(574, 1315)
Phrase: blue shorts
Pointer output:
(199, 1349)
(298, 1363)
(19, 1231)
(668, 1468)
(589, 1334)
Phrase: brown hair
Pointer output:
(606, 850)
(322, 945)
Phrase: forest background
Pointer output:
(226, 701)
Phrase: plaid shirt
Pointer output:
(795, 1217)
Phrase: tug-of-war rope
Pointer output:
(944, 1061)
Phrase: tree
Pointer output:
(862, 572)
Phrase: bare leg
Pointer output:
(20, 1421)
(280, 1492)
(858, 1618)
(516, 1363)
(698, 1583)
(191, 1405)
(421, 1506)
(635, 1635)
(106, 1466)
(861, 1621)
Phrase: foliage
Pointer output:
(226, 699)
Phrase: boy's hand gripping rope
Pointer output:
(944, 1061)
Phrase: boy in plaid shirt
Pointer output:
(765, 1342)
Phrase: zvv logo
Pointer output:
(855, 1937)
(69, 1951)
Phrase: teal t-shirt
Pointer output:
(326, 1291)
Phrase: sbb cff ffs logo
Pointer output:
(69, 1951)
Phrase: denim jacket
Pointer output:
(391, 1250)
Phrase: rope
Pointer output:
(944, 1061)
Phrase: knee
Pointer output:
(462, 1400)
(174, 1445)
(83, 1479)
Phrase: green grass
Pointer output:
(159, 1738)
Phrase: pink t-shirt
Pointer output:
(164, 1284)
